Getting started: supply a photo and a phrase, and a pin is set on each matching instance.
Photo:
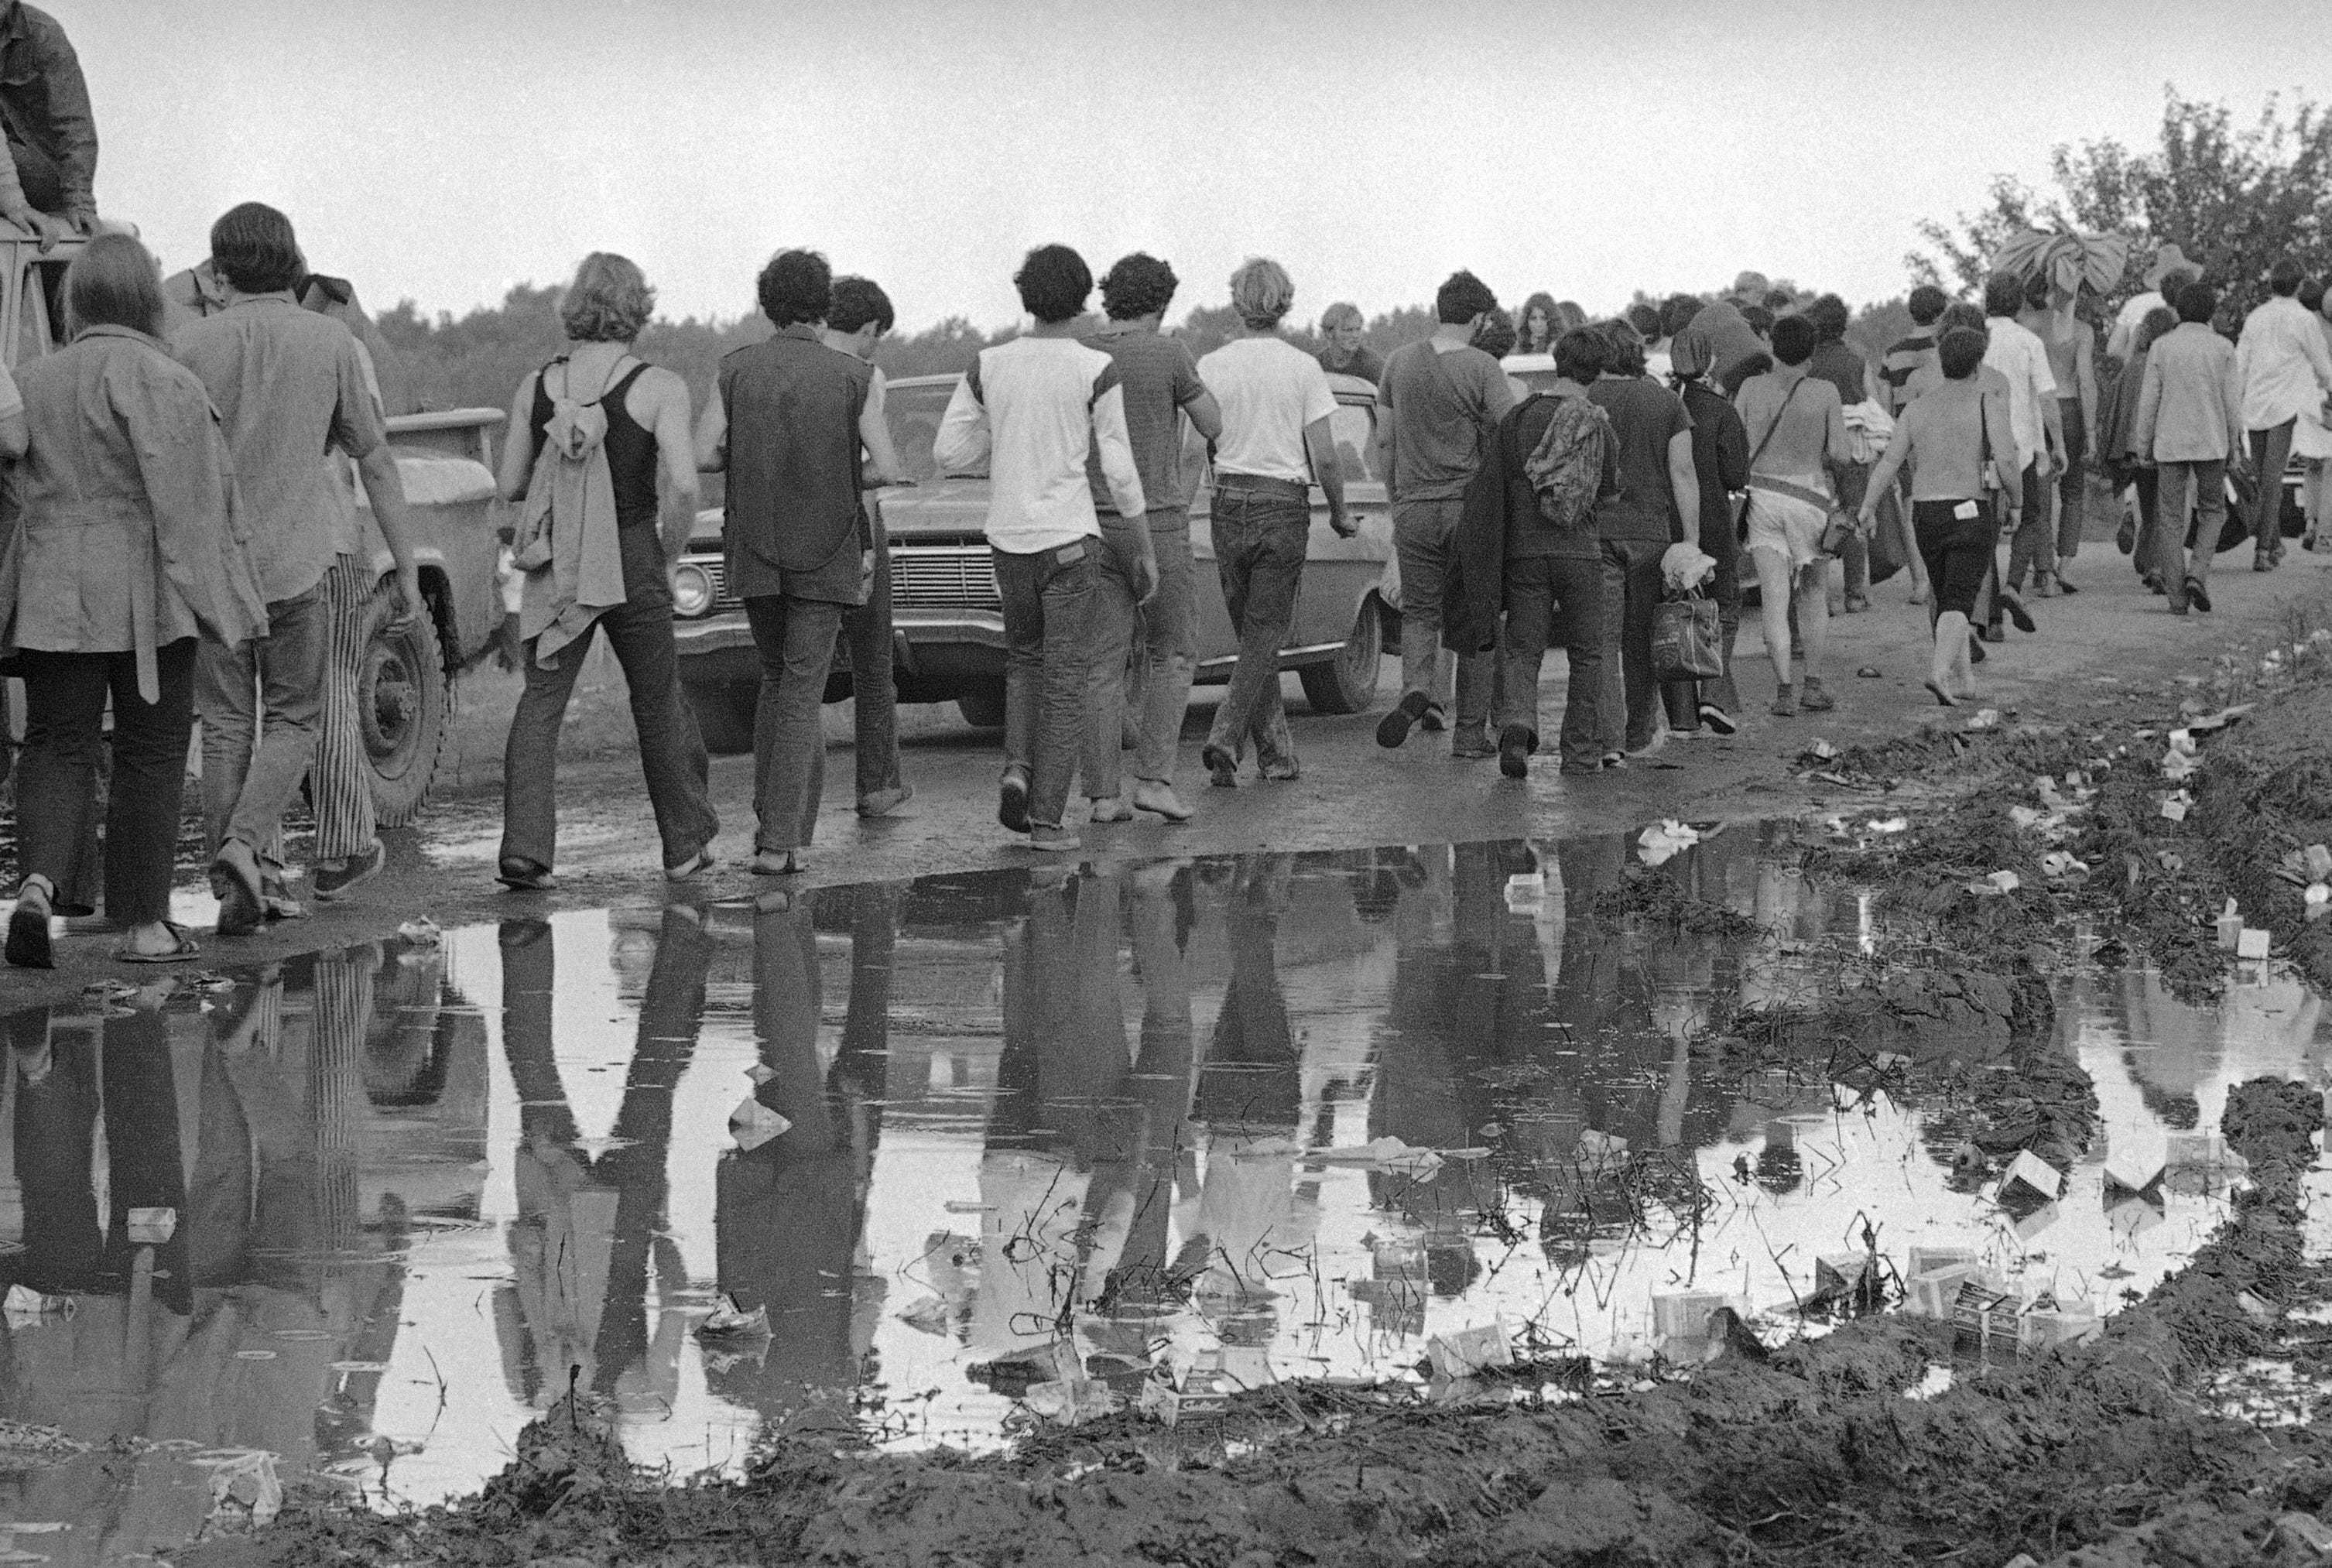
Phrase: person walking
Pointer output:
(1658, 504)
(2072, 348)
(1945, 441)
(587, 435)
(2013, 350)
(1034, 409)
(1553, 584)
(2166, 280)
(2189, 422)
(1440, 400)
(1720, 464)
(2286, 376)
(289, 384)
(1277, 443)
(2129, 467)
(127, 553)
(1796, 430)
(855, 321)
(1913, 363)
(1345, 355)
(1161, 384)
(1841, 364)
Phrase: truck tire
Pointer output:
(404, 707)
(724, 713)
(983, 709)
(1347, 684)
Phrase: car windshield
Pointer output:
(914, 413)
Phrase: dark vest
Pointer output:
(795, 522)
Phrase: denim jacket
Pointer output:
(44, 104)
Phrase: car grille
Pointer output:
(922, 577)
(944, 577)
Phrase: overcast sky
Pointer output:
(443, 151)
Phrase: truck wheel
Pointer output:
(404, 703)
(983, 709)
(724, 713)
(1347, 684)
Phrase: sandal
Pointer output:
(28, 945)
(778, 862)
(182, 948)
(701, 861)
(525, 876)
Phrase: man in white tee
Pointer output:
(1033, 409)
(2287, 372)
(2016, 352)
(1276, 444)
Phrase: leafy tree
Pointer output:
(2233, 196)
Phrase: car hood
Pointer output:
(933, 509)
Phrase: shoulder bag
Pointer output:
(1741, 518)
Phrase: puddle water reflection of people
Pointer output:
(191, 1184)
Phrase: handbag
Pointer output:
(1741, 517)
(1687, 638)
(1836, 533)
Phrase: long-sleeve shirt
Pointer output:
(2190, 409)
(1033, 409)
(2286, 369)
(45, 105)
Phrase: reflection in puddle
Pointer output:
(1032, 1123)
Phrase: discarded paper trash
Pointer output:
(1928, 1259)
(248, 1484)
(1073, 1403)
(1998, 883)
(152, 1227)
(752, 1124)
(1658, 844)
(1525, 890)
(1850, 1278)
(1597, 1150)
(731, 1321)
(1985, 719)
(2230, 926)
(1462, 1352)
(422, 932)
(1685, 1314)
(2029, 1170)
(2252, 942)
(25, 1306)
(1203, 1396)
(2317, 859)
(2048, 1325)
(2058, 862)
(2174, 806)
(1935, 1293)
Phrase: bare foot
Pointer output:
(1157, 796)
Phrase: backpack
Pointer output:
(1565, 470)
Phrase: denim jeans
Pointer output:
(56, 782)
(1048, 652)
(2271, 452)
(253, 765)
(1423, 532)
(1261, 535)
(1550, 600)
(1162, 635)
(1853, 484)
(2147, 482)
(672, 753)
(2202, 487)
(795, 638)
(2072, 485)
(2034, 546)
(866, 632)
(1629, 707)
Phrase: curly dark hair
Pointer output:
(1677, 312)
(1137, 285)
(1054, 281)
(796, 287)
(856, 302)
(1830, 316)
(1463, 298)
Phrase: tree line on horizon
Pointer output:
(2233, 197)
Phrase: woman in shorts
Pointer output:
(1797, 433)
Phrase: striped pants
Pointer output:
(340, 782)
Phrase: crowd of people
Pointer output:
(190, 542)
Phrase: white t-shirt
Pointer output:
(2017, 352)
(1033, 409)
(2133, 315)
(1270, 390)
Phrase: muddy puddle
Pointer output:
(366, 1214)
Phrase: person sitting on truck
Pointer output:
(613, 417)
(288, 384)
(47, 182)
(855, 322)
(1034, 407)
(788, 421)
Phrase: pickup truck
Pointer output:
(406, 693)
(950, 620)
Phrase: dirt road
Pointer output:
(1352, 793)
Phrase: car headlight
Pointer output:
(692, 591)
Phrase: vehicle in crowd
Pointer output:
(406, 691)
(949, 619)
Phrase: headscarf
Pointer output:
(1692, 353)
